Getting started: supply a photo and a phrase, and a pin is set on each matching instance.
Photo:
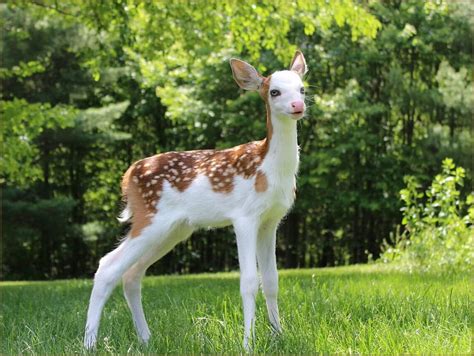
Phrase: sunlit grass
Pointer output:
(358, 309)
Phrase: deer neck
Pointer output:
(282, 144)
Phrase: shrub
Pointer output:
(438, 232)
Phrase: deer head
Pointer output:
(283, 91)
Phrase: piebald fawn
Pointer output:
(251, 186)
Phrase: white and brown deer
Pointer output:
(251, 186)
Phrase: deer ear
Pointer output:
(245, 75)
(298, 64)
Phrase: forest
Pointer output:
(89, 87)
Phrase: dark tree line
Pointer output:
(88, 89)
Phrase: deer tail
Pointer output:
(126, 213)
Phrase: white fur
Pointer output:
(289, 83)
(125, 215)
(255, 217)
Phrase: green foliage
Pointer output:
(23, 123)
(439, 224)
(89, 87)
(41, 239)
(22, 70)
(457, 91)
(364, 310)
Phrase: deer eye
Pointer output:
(275, 92)
(302, 90)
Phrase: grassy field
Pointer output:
(359, 309)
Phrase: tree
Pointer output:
(90, 87)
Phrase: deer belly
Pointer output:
(202, 206)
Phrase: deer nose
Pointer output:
(298, 106)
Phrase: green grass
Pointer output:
(360, 309)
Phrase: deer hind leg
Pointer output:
(113, 266)
(132, 279)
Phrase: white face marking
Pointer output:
(289, 85)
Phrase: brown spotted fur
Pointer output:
(142, 184)
(261, 183)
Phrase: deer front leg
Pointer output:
(268, 268)
(246, 233)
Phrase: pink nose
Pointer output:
(298, 106)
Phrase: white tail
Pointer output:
(251, 186)
(125, 215)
